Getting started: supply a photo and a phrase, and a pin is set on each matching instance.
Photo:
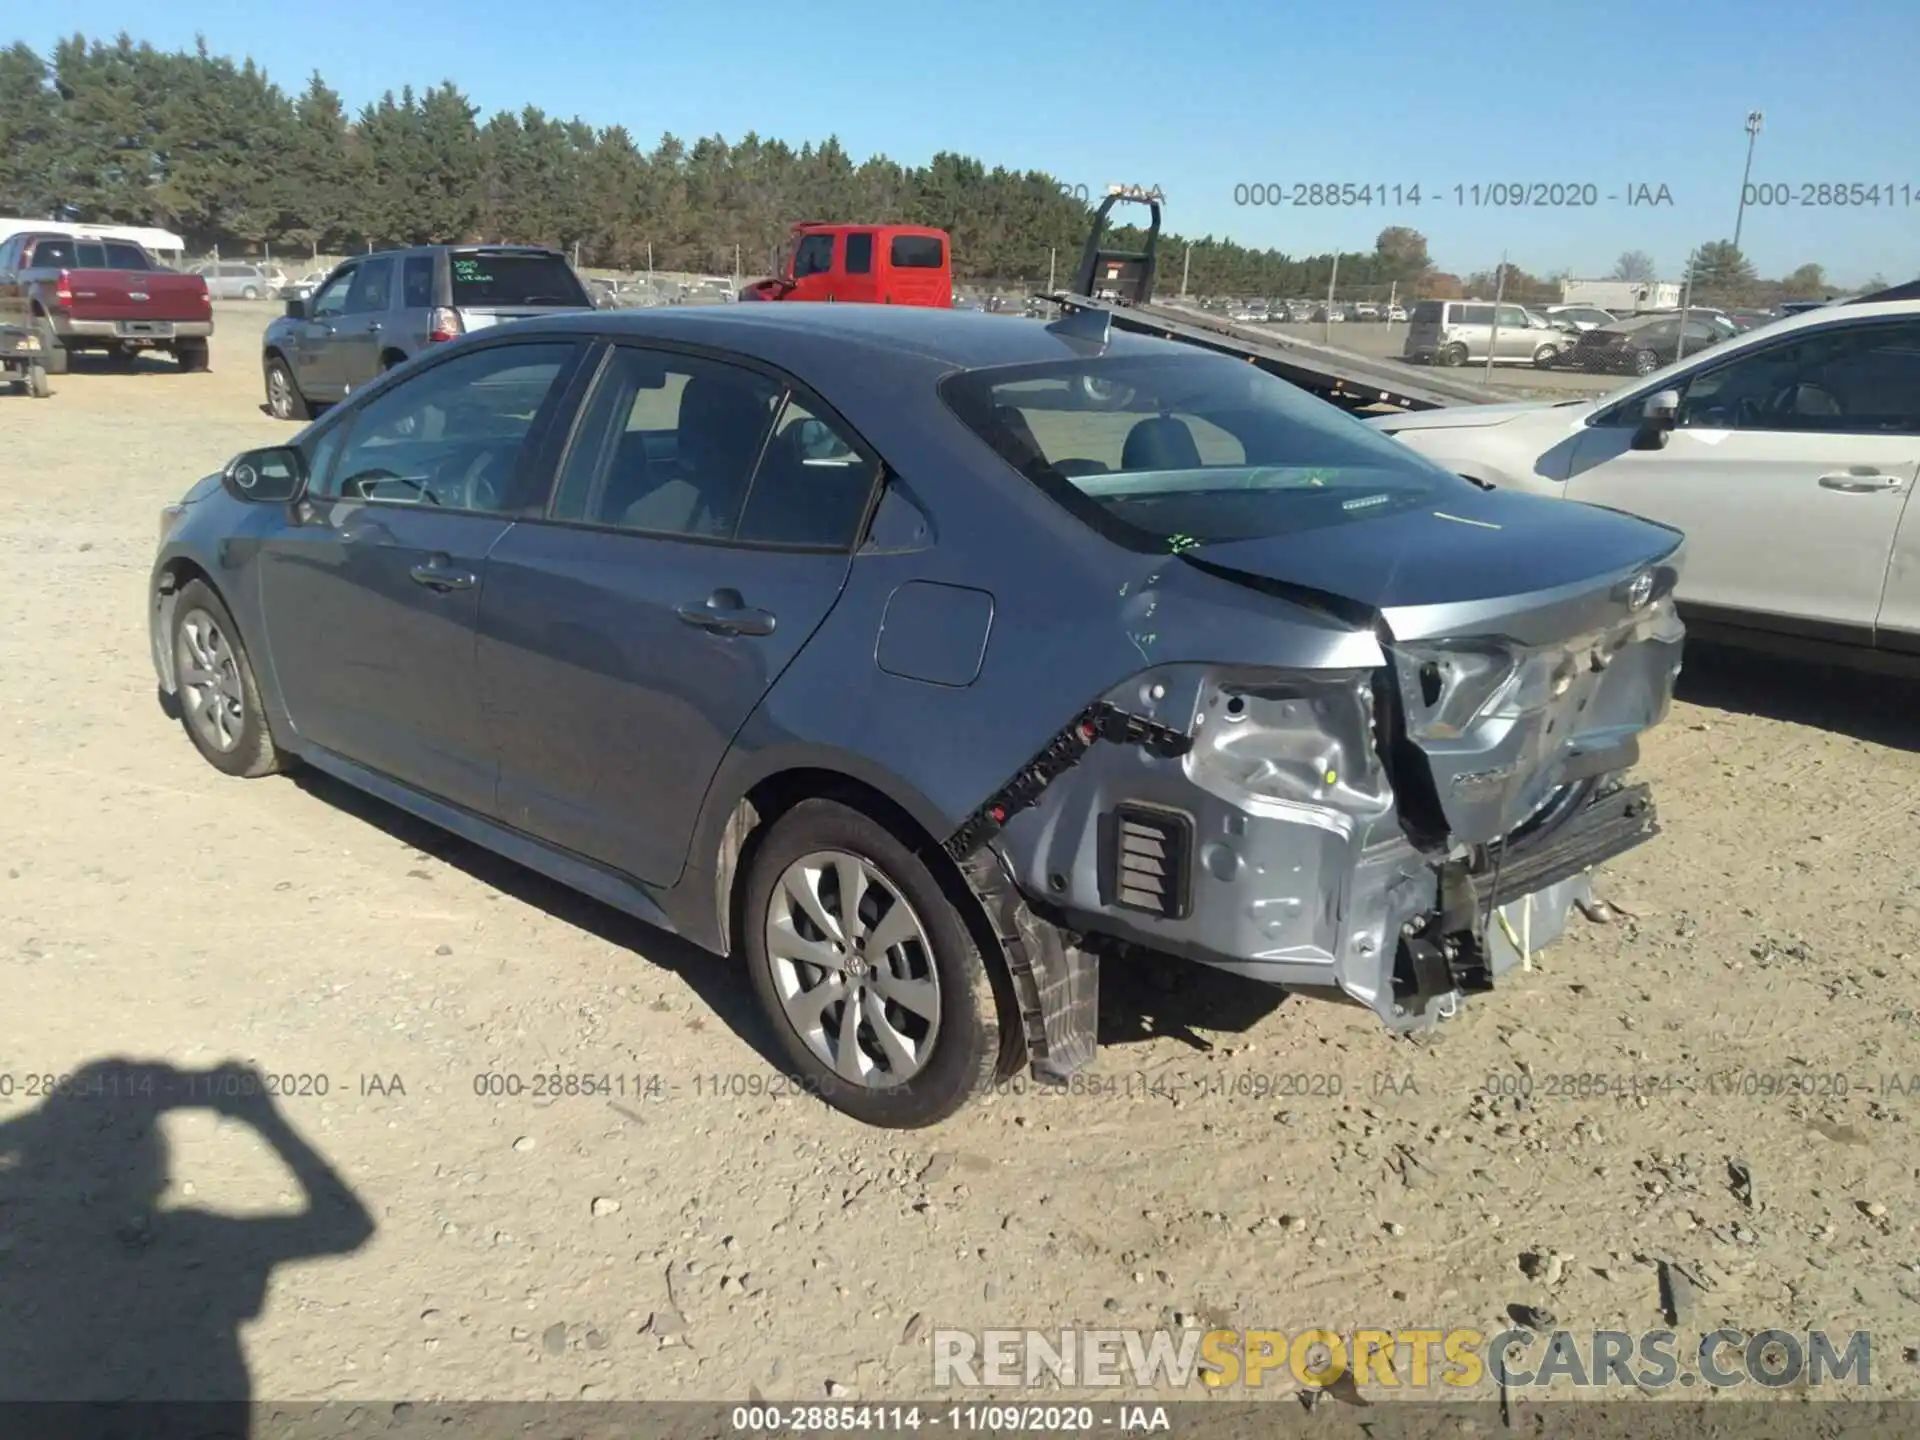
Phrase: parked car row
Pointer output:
(241, 279)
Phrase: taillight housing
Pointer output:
(444, 325)
(63, 292)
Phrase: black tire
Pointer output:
(1454, 356)
(1544, 357)
(193, 356)
(296, 405)
(253, 752)
(250, 293)
(1645, 362)
(37, 385)
(966, 1048)
(50, 345)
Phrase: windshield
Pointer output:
(1178, 451)
(481, 279)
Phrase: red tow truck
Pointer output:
(78, 292)
(863, 264)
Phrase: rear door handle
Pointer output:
(1860, 481)
(373, 327)
(439, 577)
(725, 613)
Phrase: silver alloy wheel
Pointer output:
(209, 678)
(279, 393)
(853, 968)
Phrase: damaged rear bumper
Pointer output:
(1285, 827)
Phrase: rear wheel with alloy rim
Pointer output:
(219, 697)
(284, 400)
(1454, 356)
(868, 975)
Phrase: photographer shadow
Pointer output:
(119, 1316)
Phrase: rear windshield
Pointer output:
(1427, 312)
(917, 252)
(481, 280)
(1173, 452)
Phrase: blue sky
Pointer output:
(1202, 96)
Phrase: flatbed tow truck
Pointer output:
(1118, 284)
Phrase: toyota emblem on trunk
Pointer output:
(1640, 590)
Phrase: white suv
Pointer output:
(1788, 456)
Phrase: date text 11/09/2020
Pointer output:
(1486, 194)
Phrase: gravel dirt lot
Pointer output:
(1240, 1160)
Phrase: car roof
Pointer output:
(799, 335)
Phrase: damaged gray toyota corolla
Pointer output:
(932, 660)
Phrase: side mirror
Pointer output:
(1657, 418)
(297, 308)
(274, 476)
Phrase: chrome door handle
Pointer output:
(436, 577)
(1858, 482)
(726, 620)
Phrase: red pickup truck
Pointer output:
(81, 293)
(865, 264)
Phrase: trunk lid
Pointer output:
(1530, 642)
(136, 295)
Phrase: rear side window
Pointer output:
(417, 282)
(667, 445)
(1473, 315)
(860, 254)
(916, 252)
(372, 288)
(482, 280)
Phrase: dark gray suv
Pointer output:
(377, 311)
(933, 662)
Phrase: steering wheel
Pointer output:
(1787, 400)
(358, 484)
(472, 478)
(483, 484)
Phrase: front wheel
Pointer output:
(1544, 357)
(1645, 362)
(250, 293)
(220, 702)
(869, 977)
(38, 386)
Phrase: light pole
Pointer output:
(1754, 120)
